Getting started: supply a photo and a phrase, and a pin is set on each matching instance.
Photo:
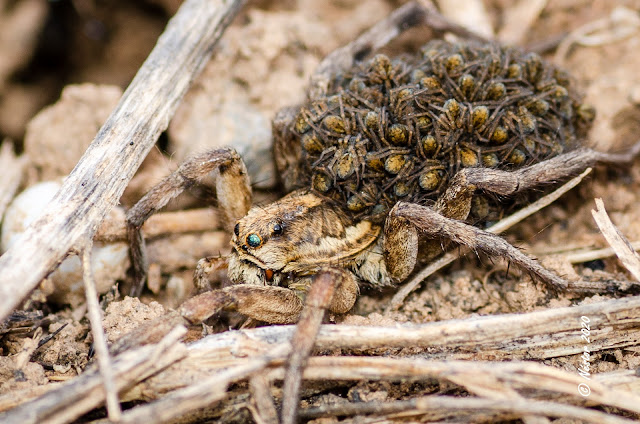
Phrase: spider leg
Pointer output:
(207, 267)
(333, 289)
(273, 304)
(507, 183)
(435, 225)
(232, 189)
(455, 202)
(453, 206)
(276, 305)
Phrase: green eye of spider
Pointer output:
(254, 240)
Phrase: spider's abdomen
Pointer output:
(394, 130)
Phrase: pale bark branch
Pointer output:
(541, 334)
(100, 177)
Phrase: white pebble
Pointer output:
(108, 262)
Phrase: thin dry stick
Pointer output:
(620, 24)
(592, 255)
(540, 334)
(618, 242)
(535, 335)
(189, 221)
(482, 378)
(99, 338)
(317, 301)
(100, 177)
(265, 410)
(438, 405)
(29, 346)
(15, 398)
(497, 228)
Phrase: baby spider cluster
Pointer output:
(399, 130)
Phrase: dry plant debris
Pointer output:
(374, 365)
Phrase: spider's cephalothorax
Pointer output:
(399, 130)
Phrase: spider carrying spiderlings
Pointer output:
(384, 151)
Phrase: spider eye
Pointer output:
(254, 240)
(277, 229)
(236, 230)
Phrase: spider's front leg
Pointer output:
(232, 190)
(274, 304)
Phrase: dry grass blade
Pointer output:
(440, 407)
(100, 177)
(497, 228)
(618, 242)
(481, 378)
(99, 338)
(577, 256)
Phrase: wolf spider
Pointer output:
(304, 248)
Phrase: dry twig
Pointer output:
(265, 410)
(317, 301)
(618, 242)
(581, 254)
(541, 334)
(519, 19)
(98, 180)
(189, 221)
(535, 335)
(99, 338)
(29, 346)
(436, 408)
(478, 377)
